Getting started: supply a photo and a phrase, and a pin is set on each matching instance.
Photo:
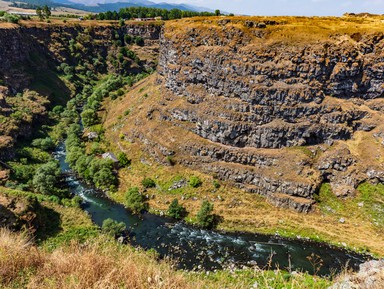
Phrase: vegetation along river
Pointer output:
(195, 248)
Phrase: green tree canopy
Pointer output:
(89, 117)
(112, 227)
(135, 201)
(176, 210)
(205, 218)
(46, 178)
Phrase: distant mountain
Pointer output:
(97, 6)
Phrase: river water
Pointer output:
(195, 248)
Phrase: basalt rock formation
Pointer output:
(274, 109)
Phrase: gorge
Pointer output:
(288, 108)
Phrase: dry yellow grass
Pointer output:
(287, 29)
(98, 264)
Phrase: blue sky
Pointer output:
(289, 7)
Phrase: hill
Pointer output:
(103, 6)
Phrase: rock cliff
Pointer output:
(277, 106)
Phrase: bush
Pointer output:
(135, 201)
(171, 161)
(195, 182)
(216, 184)
(45, 144)
(205, 218)
(139, 41)
(58, 109)
(11, 18)
(176, 210)
(46, 178)
(148, 183)
(124, 161)
(112, 227)
(105, 179)
(89, 117)
(128, 39)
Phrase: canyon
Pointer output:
(247, 100)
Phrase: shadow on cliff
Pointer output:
(49, 223)
(45, 80)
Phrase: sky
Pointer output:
(289, 7)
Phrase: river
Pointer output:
(195, 248)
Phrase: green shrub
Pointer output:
(195, 182)
(124, 161)
(96, 148)
(216, 184)
(105, 179)
(89, 117)
(128, 39)
(171, 161)
(205, 218)
(112, 227)
(139, 41)
(176, 210)
(148, 183)
(46, 177)
(45, 144)
(135, 201)
(58, 109)
(11, 18)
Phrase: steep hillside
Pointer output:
(47, 59)
(276, 105)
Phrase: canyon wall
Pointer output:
(278, 90)
(274, 109)
(29, 57)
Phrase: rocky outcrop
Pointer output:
(17, 213)
(370, 276)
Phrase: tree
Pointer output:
(124, 161)
(89, 117)
(73, 154)
(139, 41)
(105, 179)
(112, 227)
(176, 210)
(45, 144)
(217, 12)
(46, 11)
(39, 13)
(195, 182)
(135, 201)
(82, 164)
(205, 218)
(46, 178)
(148, 183)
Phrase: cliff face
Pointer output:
(29, 57)
(277, 106)
(278, 90)
(25, 47)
